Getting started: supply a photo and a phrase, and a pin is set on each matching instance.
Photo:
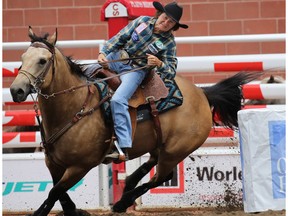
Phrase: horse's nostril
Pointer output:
(18, 94)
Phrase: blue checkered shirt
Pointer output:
(137, 38)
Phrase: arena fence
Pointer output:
(186, 64)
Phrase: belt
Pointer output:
(124, 54)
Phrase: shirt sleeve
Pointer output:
(168, 69)
(119, 40)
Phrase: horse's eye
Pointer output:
(42, 61)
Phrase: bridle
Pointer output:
(40, 79)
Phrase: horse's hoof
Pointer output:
(77, 212)
(81, 212)
(119, 207)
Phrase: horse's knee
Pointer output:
(66, 203)
(132, 180)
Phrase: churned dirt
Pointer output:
(194, 213)
(212, 212)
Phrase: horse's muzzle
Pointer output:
(18, 94)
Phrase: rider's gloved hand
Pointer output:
(153, 60)
(103, 61)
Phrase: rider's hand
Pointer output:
(153, 60)
(102, 60)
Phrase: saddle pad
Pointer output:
(173, 99)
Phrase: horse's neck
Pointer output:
(64, 106)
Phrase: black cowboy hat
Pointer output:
(173, 10)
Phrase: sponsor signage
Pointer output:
(199, 181)
(277, 139)
(27, 182)
(175, 185)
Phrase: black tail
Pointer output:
(226, 97)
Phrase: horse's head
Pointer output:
(37, 62)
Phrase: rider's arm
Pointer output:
(167, 70)
(120, 39)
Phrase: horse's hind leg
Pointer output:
(69, 179)
(164, 172)
(132, 180)
(129, 197)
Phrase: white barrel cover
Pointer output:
(263, 159)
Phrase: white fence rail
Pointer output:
(179, 40)
(60, 44)
(188, 63)
(257, 62)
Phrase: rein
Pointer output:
(40, 79)
(88, 83)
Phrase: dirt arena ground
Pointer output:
(212, 212)
(194, 213)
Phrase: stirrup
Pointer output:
(116, 156)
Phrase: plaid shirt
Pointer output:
(137, 38)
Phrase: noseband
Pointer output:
(40, 79)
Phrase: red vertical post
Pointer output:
(114, 26)
(118, 13)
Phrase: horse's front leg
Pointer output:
(58, 192)
(48, 204)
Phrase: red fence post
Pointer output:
(118, 13)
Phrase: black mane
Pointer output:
(74, 66)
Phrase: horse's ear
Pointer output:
(272, 79)
(53, 38)
(31, 33)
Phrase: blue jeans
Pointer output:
(119, 101)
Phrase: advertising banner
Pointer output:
(198, 181)
(263, 159)
(27, 182)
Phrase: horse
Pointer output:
(65, 98)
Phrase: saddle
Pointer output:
(151, 90)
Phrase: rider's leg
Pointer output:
(119, 103)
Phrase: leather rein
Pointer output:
(40, 79)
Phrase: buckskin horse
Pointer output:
(66, 101)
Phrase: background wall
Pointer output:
(80, 20)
